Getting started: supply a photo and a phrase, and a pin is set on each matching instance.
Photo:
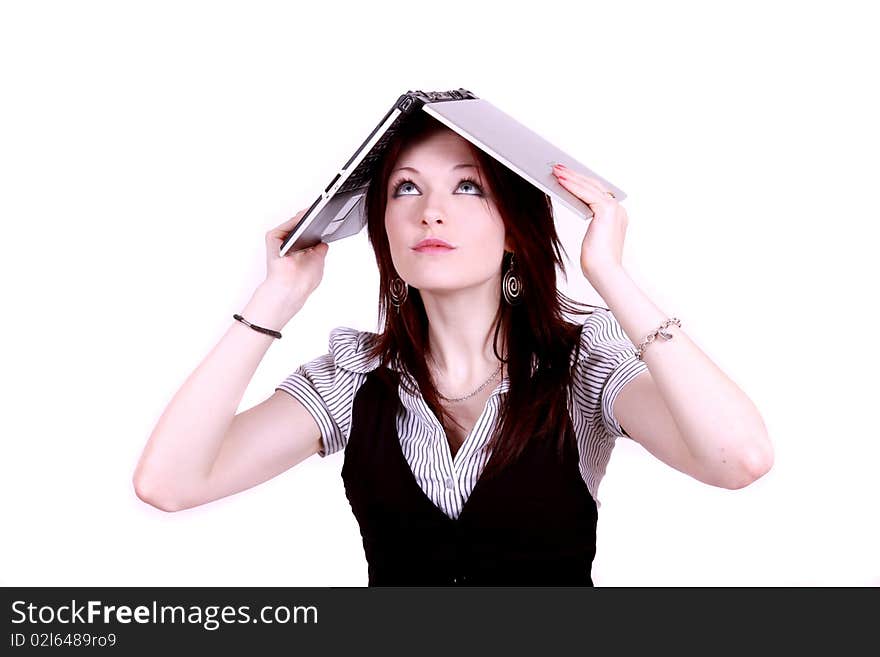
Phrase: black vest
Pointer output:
(533, 524)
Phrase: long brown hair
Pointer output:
(535, 330)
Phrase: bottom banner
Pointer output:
(269, 620)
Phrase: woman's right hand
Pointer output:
(296, 274)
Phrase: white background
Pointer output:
(146, 148)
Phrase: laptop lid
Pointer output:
(517, 147)
(340, 211)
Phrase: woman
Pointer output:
(478, 424)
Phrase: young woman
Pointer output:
(477, 425)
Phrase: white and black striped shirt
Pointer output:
(326, 386)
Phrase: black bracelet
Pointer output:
(274, 334)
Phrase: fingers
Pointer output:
(593, 190)
(320, 247)
(275, 236)
(290, 223)
(561, 171)
(588, 192)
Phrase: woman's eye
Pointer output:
(401, 187)
(471, 184)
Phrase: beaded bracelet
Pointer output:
(666, 335)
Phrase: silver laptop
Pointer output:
(340, 210)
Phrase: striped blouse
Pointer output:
(326, 386)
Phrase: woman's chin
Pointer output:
(436, 285)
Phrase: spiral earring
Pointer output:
(398, 291)
(511, 286)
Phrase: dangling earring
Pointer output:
(511, 286)
(398, 291)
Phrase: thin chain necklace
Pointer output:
(458, 399)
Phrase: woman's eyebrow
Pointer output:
(457, 166)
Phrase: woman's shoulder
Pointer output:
(349, 346)
(597, 331)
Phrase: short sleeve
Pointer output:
(326, 386)
(606, 363)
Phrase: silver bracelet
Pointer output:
(666, 335)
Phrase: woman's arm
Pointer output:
(183, 447)
(687, 412)
(715, 434)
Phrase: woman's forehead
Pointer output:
(442, 151)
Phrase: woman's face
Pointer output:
(438, 201)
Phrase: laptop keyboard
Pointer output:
(361, 176)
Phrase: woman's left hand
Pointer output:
(602, 250)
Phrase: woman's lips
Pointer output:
(434, 249)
